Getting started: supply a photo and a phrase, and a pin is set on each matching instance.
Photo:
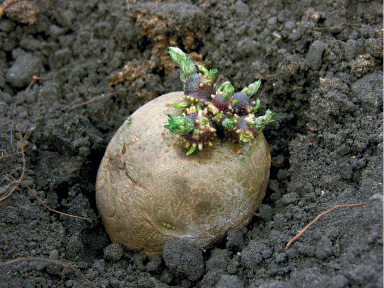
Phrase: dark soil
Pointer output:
(321, 67)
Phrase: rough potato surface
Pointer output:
(148, 191)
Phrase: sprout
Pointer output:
(190, 151)
(262, 121)
(209, 75)
(251, 89)
(257, 105)
(228, 123)
(208, 112)
(184, 103)
(226, 89)
(246, 137)
(187, 68)
(179, 125)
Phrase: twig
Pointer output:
(5, 5)
(18, 182)
(317, 218)
(50, 261)
(92, 100)
(8, 155)
(34, 80)
(51, 209)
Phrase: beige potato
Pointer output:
(148, 191)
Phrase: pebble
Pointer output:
(315, 54)
(113, 253)
(24, 68)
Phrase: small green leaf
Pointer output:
(254, 109)
(179, 125)
(211, 108)
(228, 123)
(185, 103)
(193, 148)
(209, 76)
(245, 137)
(250, 120)
(251, 89)
(187, 68)
(262, 121)
(226, 89)
(203, 69)
(218, 116)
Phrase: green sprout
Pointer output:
(209, 75)
(254, 109)
(203, 121)
(218, 116)
(226, 89)
(262, 121)
(213, 109)
(184, 103)
(187, 68)
(190, 151)
(251, 89)
(245, 137)
(250, 120)
(228, 123)
(179, 125)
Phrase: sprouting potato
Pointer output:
(149, 190)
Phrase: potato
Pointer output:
(148, 191)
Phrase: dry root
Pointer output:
(14, 184)
(317, 218)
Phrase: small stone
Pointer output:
(315, 54)
(25, 12)
(99, 265)
(113, 252)
(54, 254)
(241, 9)
(24, 68)
(350, 49)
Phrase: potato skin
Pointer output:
(148, 191)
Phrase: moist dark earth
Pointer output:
(73, 71)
